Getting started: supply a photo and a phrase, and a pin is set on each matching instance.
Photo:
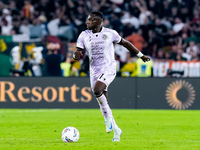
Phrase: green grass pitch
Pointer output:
(40, 129)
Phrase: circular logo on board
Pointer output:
(180, 94)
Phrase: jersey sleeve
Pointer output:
(80, 41)
(116, 37)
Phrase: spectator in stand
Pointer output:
(28, 9)
(153, 6)
(45, 6)
(174, 14)
(42, 18)
(184, 14)
(121, 52)
(6, 22)
(66, 66)
(183, 39)
(174, 51)
(24, 27)
(153, 44)
(194, 25)
(196, 16)
(35, 29)
(53, 25)
(116, 23)
(181, 56)
(107, 7)
(137, 40)
(178, 26)
(194, 57)
(132, 8)
(165, 21)
(129, 18)
(160, 29)
(106, 23)
(160, 55)
(15, 27)
(53, 60)
(165, 11)
(128, 26)
(13, 8)
(192, 47)
(144, 12)
(145, 28)
(167, 55)
(79, 18)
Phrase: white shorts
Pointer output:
(106, 78)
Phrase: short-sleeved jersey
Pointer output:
(100, 49)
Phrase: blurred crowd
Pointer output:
(162, 29)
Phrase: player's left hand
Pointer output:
(145, 58)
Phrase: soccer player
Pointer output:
(98, 42)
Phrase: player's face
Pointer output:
(92, 22)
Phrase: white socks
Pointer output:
(105, 109)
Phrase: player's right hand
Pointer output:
(77, 55)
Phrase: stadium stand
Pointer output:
(169, 29)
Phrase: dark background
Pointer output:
(130, 93)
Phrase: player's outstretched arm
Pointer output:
(133, 49)
(78, 53)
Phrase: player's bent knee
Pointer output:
(97, 93)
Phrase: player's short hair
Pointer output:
(98, 14)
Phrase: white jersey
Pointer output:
(100, 49)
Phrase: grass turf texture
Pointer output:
(40, 129)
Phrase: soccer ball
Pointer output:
(70, 134)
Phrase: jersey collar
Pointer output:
(97, 32)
